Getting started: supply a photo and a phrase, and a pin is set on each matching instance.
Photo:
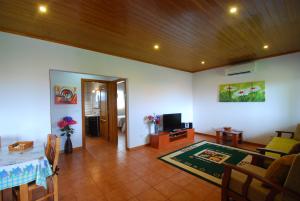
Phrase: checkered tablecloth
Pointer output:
(19, 168)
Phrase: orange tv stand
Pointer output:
(166, 139)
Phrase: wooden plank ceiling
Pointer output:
(188, 31)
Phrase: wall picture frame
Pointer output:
(65, 95)
(242, 92)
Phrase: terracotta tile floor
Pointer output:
(104, 172)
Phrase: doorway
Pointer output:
(122, 112)
(100, 113)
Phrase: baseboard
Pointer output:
(138, 147)
(206, 134)
(74, 150)
(254, 144)
(245, 142)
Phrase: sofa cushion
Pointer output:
(281, 144)
(297, 133)
(293, 180)
(256, 191)
(295, 149)
(278, 170)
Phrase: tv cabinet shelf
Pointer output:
(166, 139)
(177, 136)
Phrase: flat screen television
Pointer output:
(171, 121)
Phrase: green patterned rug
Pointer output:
(204, 159)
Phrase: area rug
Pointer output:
(204, 159)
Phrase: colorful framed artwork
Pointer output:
(65, 95)
(242, 92)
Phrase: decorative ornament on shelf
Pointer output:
(153, 120)
(65, 127)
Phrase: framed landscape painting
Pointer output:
(242, 92)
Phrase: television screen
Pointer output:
(171, 121)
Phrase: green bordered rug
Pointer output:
(204, 159)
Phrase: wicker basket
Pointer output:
(20, 146)
(228, 129)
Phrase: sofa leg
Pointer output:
(224, 195)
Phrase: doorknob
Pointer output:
(103, 120)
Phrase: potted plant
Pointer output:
(65, 127)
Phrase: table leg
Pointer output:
(24, 192)
(240, 138)
(55, 185)
(224, 137)
(218, 136)
(234, 140)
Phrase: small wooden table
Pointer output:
(237, 136)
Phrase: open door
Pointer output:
(104, 133)
(113, 112)
(108, 115)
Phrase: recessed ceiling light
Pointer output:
(266, 47)
(233, 10)
(42, 9)
(202, 62)
(156, 47)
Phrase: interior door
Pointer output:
(104, 113)
(113, 112)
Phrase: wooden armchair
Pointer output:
(293, 135)
(247, 183)
(266, 150)
(52, 151)
(280, 146)
(279, 133)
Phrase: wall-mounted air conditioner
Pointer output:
(241, 68)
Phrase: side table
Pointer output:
(237, 136)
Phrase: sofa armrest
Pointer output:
(274, 188)
(279, 133)
(260, 160)
(264, 150)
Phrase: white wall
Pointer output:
(280, 111)
(58, 111)
(25, 86)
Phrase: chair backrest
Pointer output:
(297, 133)
(52, 150)
(293, 179)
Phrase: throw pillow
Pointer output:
(295, 149)
(279, 169)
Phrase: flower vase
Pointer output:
(68, 145)
(155, 128)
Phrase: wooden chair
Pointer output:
(52, 151)
(247, 183)
(280, 146)
(293, 135)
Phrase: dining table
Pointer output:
(19, 168)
